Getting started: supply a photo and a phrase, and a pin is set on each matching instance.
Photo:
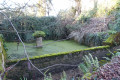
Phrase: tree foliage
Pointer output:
(27, 25)
(115, 23)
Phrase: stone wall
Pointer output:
(24, 69)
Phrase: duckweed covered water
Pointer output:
(53, 47)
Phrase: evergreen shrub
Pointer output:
(37, 34)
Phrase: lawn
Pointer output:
(52, 47)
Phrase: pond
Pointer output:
(49, 47)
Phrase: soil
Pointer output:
(71, 73)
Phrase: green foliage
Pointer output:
(113, 39)
(112, 55)
(1, 35)
(83, 18)
(3, 46)
(23, 78)
(37, 34)
(107, 58)
(115, 23)
(3, 42)
(64, 77)
(110, 40)
(87, 15)
(83, 68)
(73, 27)
(87, 76)
(111, 32)
(26, 25)
(90, 64)
(48, 77)
(2, 51)
(95, 39)
(102, 62)
(118, 53)
(115, 54)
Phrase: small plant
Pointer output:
(48, 77)
(64, 77)
(90, 64)
(87, 76)
(113, 55)
(112, 32)
(1, 35)
(23, 78)
(38, 34)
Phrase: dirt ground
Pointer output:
(71, 73)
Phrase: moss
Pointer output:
(102, 62)
(2, 51)
(114, 51)
(110, 40)
(108, 54)
(117, 38)
(114, 39)
(63, 53)
(87, 76)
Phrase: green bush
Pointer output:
(37, 34)
(115, 24)
(1, 35)
(95, 39)
(26, 25)
(90, 64)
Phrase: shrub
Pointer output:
(1, 35)
(96, 39)
(90, 64)
(26, 25)
(115, 24)
(37, 34)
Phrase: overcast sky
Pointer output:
(57, 4)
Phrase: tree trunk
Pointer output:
(78, 7)
(39, 42)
